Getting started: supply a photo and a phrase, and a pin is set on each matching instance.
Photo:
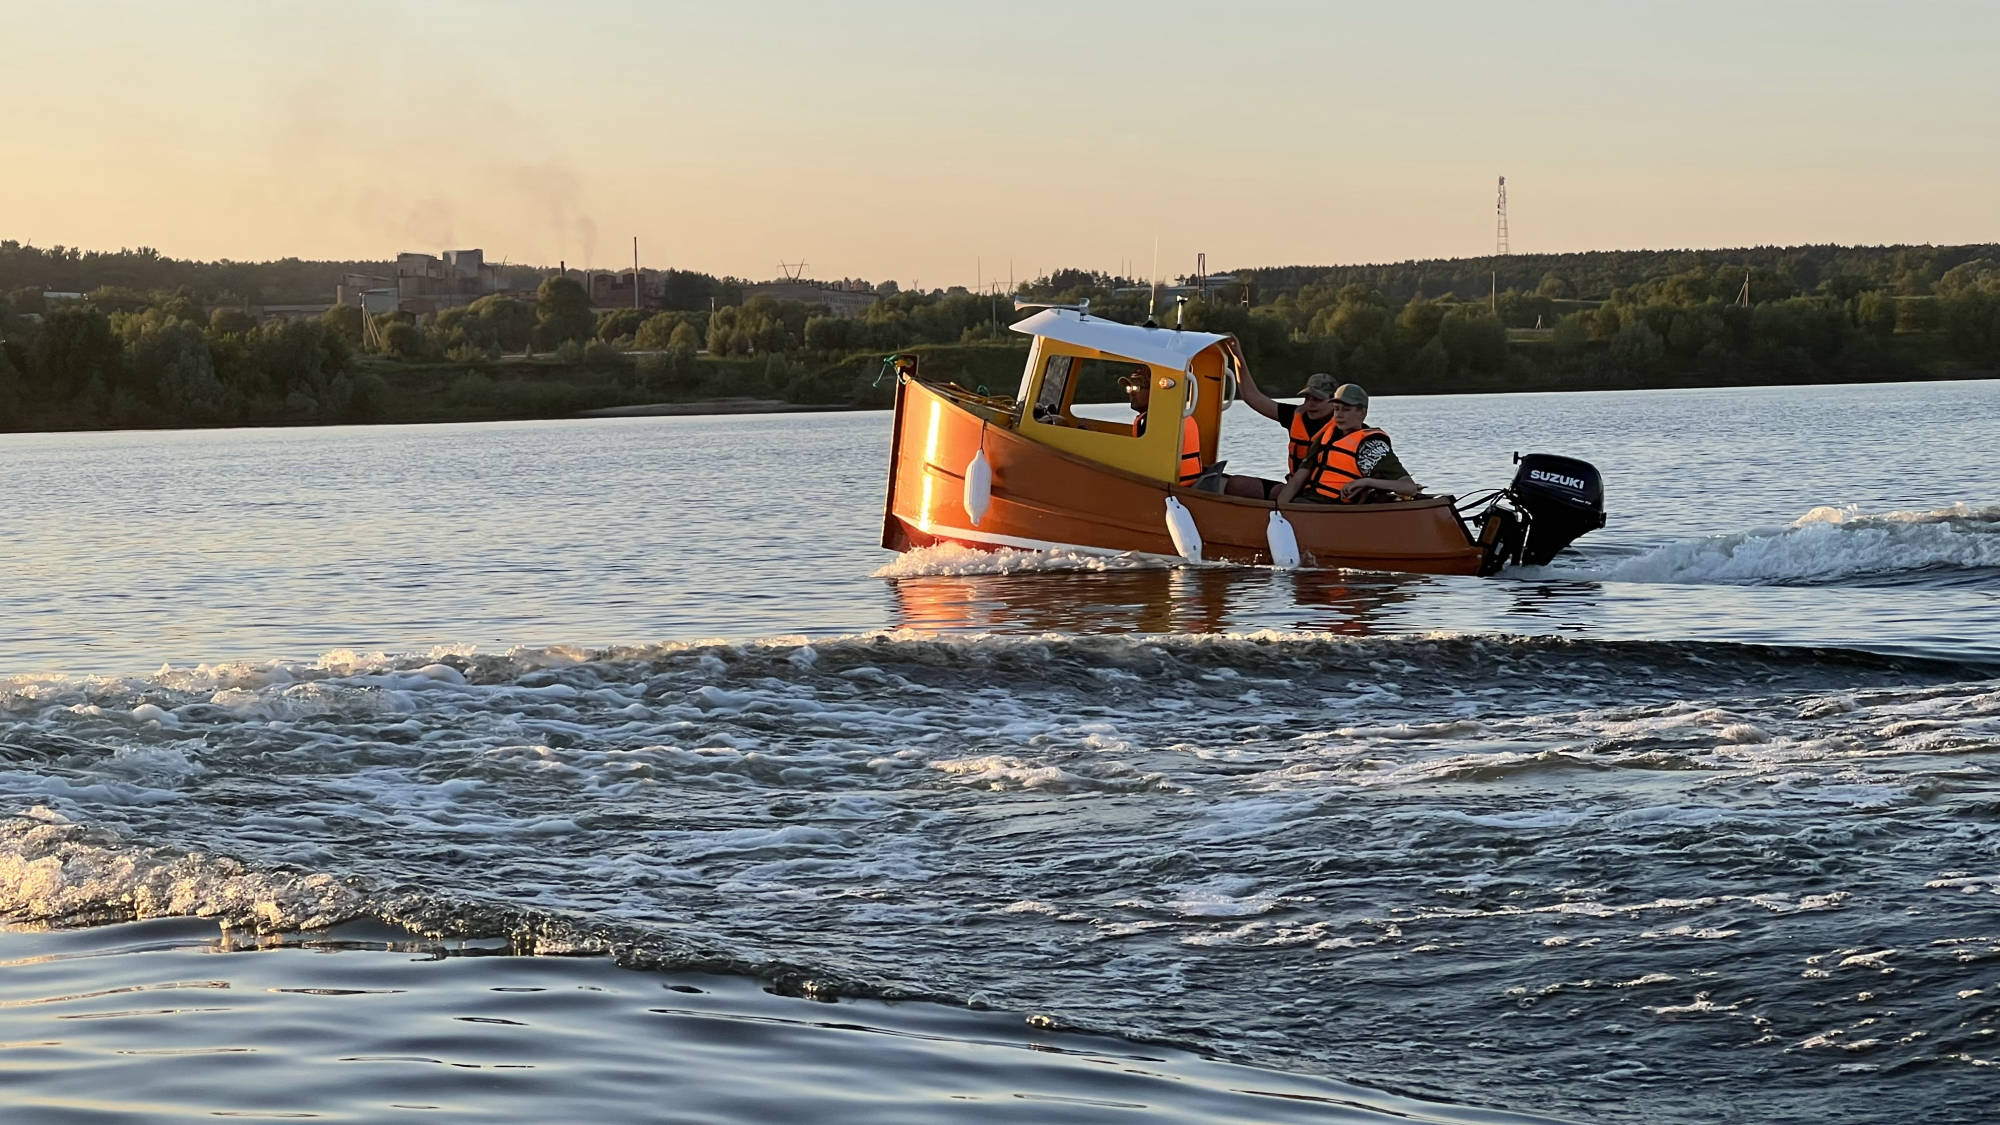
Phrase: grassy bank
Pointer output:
(547, 388)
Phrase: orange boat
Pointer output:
(1027, 472)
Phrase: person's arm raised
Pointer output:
(1247, 390)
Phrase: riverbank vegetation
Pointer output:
(121, 349)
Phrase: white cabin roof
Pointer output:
(1162, 347)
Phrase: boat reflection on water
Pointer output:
(1566, 605)
(1163, 600)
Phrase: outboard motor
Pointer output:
(1561, 497)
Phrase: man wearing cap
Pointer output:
(1335, 414)
(1138, 387)
(1349, 460)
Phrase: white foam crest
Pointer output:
(1852, 514)
(1225, 896)
(407, 676)
(1450, 768)
(50, 871)
(952, 560)
(1245, 819)
(1592, 908)
(1826, 545)
(1002, 772)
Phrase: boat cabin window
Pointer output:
(1054, 399)
(1069, 380)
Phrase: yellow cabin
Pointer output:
(1190, 374)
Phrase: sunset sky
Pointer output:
(935, 142)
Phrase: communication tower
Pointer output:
(1500, 209)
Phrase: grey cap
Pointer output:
(1351, 395)
(1319, 385)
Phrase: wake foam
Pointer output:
(1831, 546)
(388, 686)
(951, 560)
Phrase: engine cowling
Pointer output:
(1562, 497)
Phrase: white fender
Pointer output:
(1283, 540)
(1180, 525)
(978, 487)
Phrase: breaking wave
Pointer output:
(1829, 546)
(1134, 834)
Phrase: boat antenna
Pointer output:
(1153, 291)
(1180, 311)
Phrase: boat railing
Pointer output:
(996, 408)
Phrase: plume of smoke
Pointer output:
(428, 223)
(553, 188)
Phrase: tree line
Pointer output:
(1777, 272)
(120, 356)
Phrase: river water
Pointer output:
(1697, 823)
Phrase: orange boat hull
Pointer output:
(1044, 499)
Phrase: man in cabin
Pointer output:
(1346, 461)
(1138, 385)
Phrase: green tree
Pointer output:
(724, 338)
(616, 324)
(1573, 331)
(344, 321)
(1475, 342)
(1605, 322)
(1875, 313)
(1972, 324)
(683, 345)
(1919, 314)
(562, 313)
(1637, 350)
(1556, 287)
(402, 340)
(657, 331)
(172, 367)
(493, 323)
(12, 394)
(231, 322)
(1417, 323)
(1967, 276)
(1689, 330)
(828, 334)
(77, 357)
(302, 361)
(1429, 365)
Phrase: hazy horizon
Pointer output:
(910, 142)
(1168, 271)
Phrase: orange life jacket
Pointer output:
(1190, 451)
(1335, 464)
(1190, 447)
(1302, 433)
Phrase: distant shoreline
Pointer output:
(727, 406)
(715, 406)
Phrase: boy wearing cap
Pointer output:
(1348, 459)
(1333, 457)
